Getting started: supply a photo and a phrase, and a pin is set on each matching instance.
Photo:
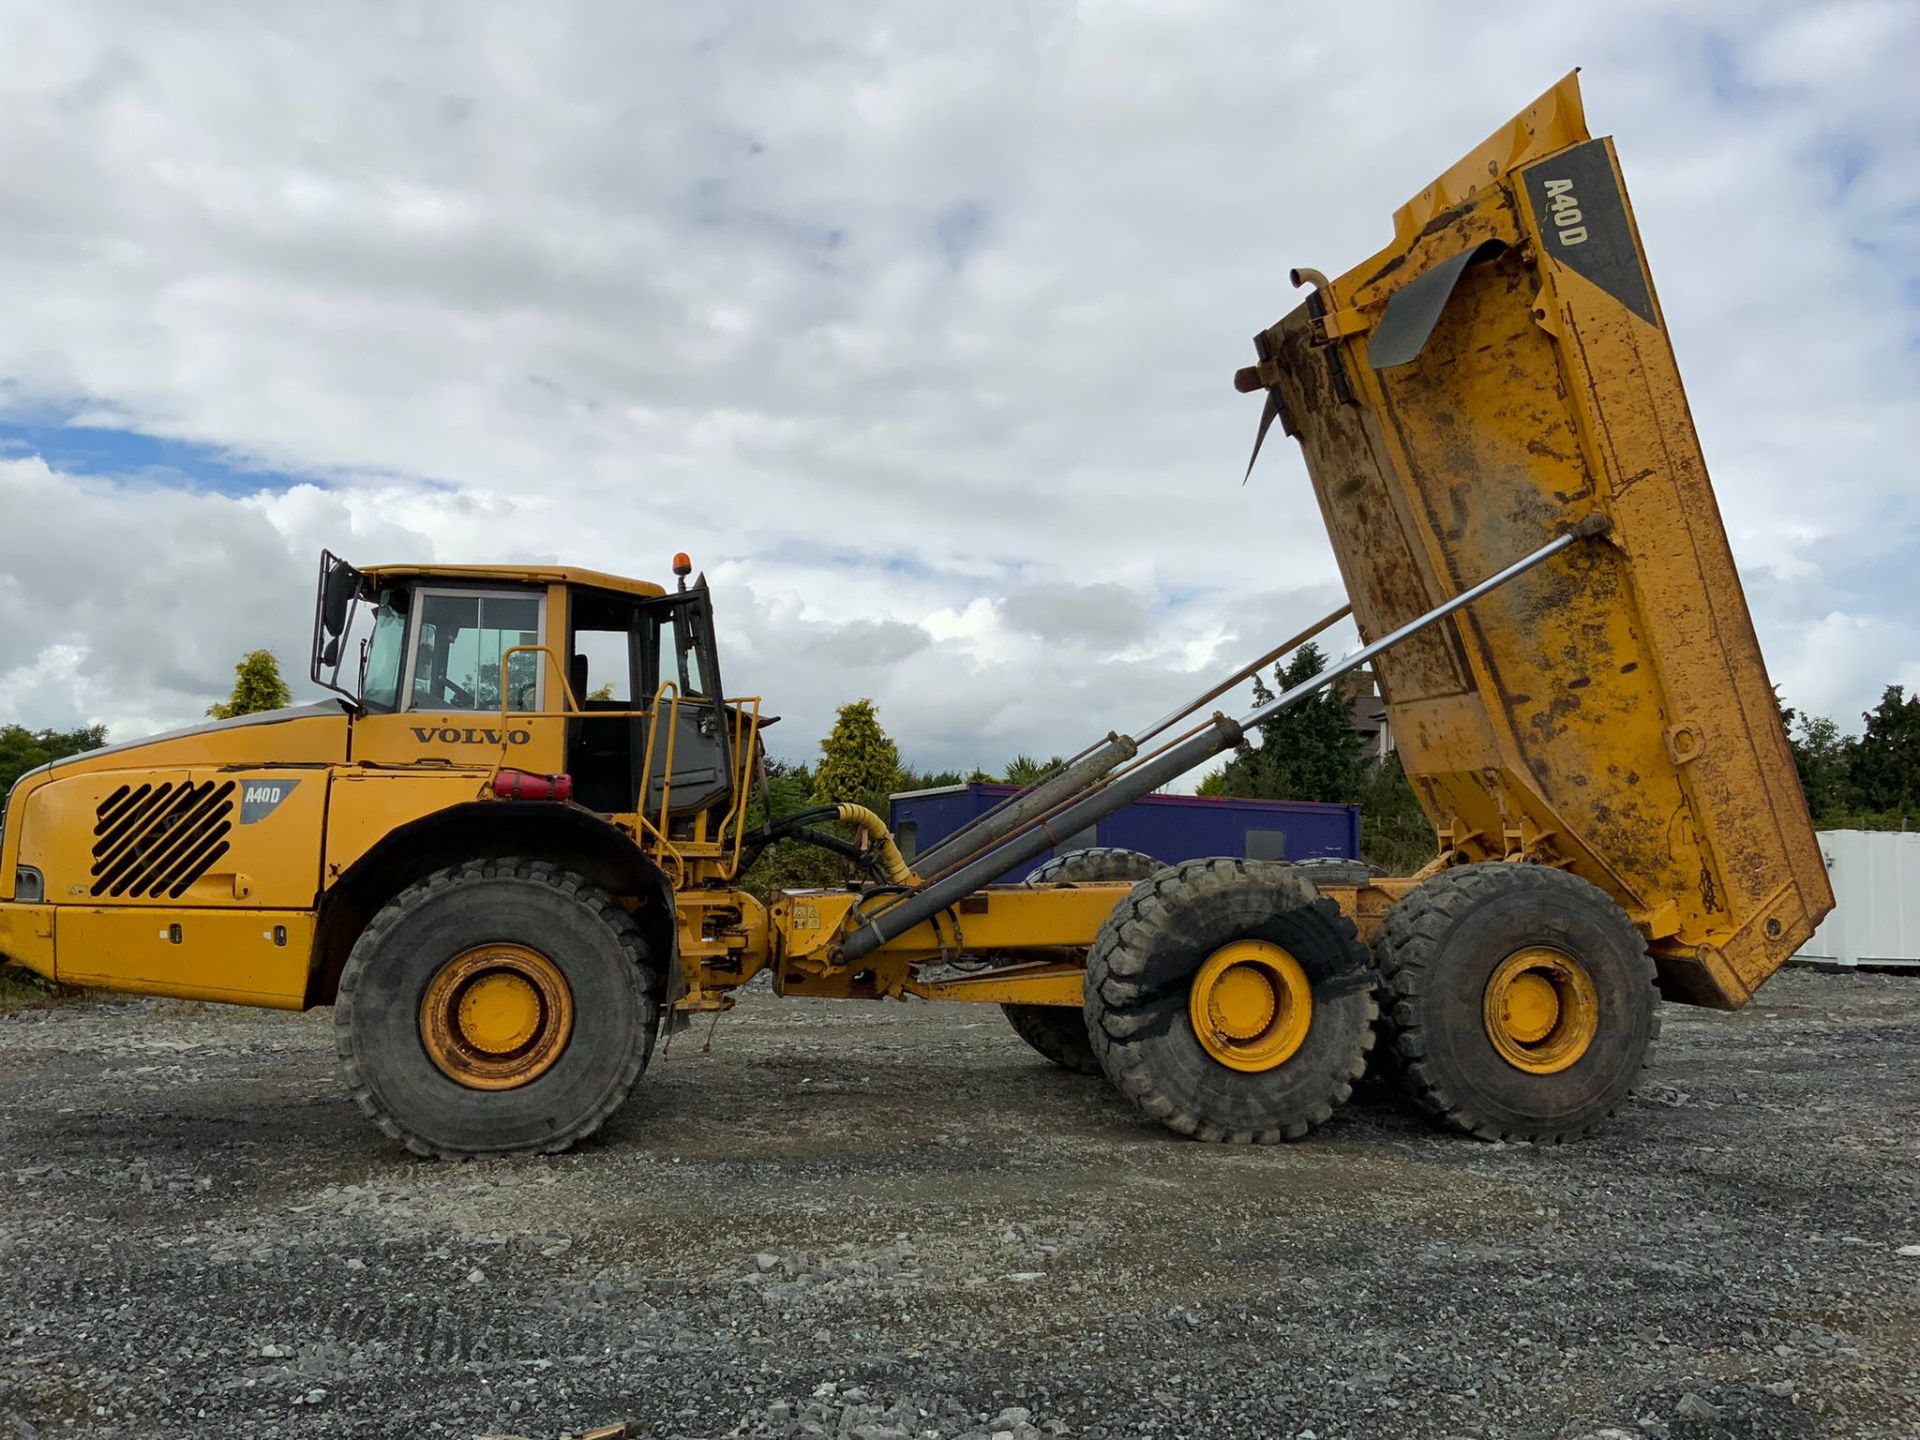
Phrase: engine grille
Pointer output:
(152, 840)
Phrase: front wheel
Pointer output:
(494, 1007)
(1227, 1000)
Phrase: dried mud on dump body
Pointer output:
(872, 1221)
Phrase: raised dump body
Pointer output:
(1498, 371)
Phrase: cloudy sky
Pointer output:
(913, 324)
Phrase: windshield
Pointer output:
(385, 653)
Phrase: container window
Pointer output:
(1266, 844)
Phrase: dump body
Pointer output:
(1499, 371)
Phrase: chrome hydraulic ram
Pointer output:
(1090, 767)
(1222, 734)
(1014, 812)
(1245, 672)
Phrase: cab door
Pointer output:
(678, 649)
(459, 658)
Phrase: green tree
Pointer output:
(912, 779)
(858, 762)
(22, 749)
(1310, 752)
(1823, 758)
(257, 686)
(1025, 770)
(1885, 762)
(789, 788)
(787, 864)
(1394, 833)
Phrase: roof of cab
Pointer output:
(525, 574)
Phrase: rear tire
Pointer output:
(1445, 952)
(1144, 988)
(1095, 865)
(1335, 870)
(1059, 1032)
(581, 1037)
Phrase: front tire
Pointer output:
(1227, 1000)
(1520, 1001)
(495, 1007)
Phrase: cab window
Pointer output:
(386, 653)
(459, 644)
(677, 651)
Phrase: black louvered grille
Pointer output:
(152, 840)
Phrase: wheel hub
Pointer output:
(1250, 1005)
(1540, 1010)
(499, 1012)
(496, 1017)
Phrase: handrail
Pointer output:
(666, 777)
(743, 760)
(566, 685)
(746, 731)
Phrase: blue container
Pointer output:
(1170, 828)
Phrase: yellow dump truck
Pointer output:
(506, 885)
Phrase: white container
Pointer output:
(1876, 892)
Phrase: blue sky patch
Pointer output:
(129, 454)
(960, 229)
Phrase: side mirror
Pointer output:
(335, 598)
(330, 653)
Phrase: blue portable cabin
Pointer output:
(1170, 828)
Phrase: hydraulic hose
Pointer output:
(891, 860)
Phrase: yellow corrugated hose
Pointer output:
(890, 857)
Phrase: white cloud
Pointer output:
(915, 329)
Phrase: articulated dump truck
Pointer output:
(507, 887)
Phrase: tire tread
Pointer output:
(1116, 977)
(391, 915)
(1406, 951)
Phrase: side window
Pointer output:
(603, 658)
(462, 642)
(386, 653)
(678, 653)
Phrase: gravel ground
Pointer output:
(873, 1222)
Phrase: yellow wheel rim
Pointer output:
(1541, 1011)
(1250, 1005)
(496, 1017)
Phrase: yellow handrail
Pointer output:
(666, 778)
(566, 686)
(746, 732)
(743, 744)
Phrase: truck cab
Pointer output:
(610, 682)
(238, 860)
